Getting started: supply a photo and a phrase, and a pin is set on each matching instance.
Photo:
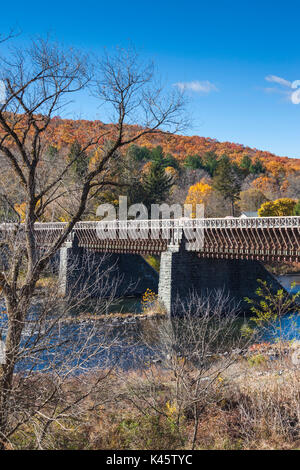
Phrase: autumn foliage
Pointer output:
(198, 194)
(263, 180)
(277, 208)
(63, 132)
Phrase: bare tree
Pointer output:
(65, 356)
(9, 35)
(40, 79)
(293, 185)
(190, 354)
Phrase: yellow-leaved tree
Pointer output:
(21, 211)
(198, 193)
(170, 171)
(280, 207)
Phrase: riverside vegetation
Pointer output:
(206, 385)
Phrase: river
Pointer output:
(129, 344)
(133, 305)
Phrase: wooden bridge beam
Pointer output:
(87, 271)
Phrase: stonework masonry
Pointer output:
(182, 272)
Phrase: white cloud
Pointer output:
(197, 86)
(279, 80)
(292, 96)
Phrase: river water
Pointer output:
(290, 324)
(288, 279)
(133, 305)
(132, 343)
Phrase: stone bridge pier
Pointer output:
(183, 272)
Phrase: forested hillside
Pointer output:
(227, 178)
(65, 131)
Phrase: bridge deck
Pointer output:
(265, 238)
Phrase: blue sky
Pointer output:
(239, 61)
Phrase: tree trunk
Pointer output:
(12, 344)
(232, 208)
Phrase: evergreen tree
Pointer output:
(193, 162)
(245, 166)
(227, 181)
(79, 158)
(157, 154)
(156, 185)
(170, 160)
(257, 167)
(138, 154)
(210, 160)
(246, 163)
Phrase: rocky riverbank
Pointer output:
(114, 318)
(281, 269)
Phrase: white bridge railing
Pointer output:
(251, 222)
(219, 223)
(257, 236)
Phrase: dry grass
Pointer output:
(260, 409)
(117, 315)
(253, 406)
